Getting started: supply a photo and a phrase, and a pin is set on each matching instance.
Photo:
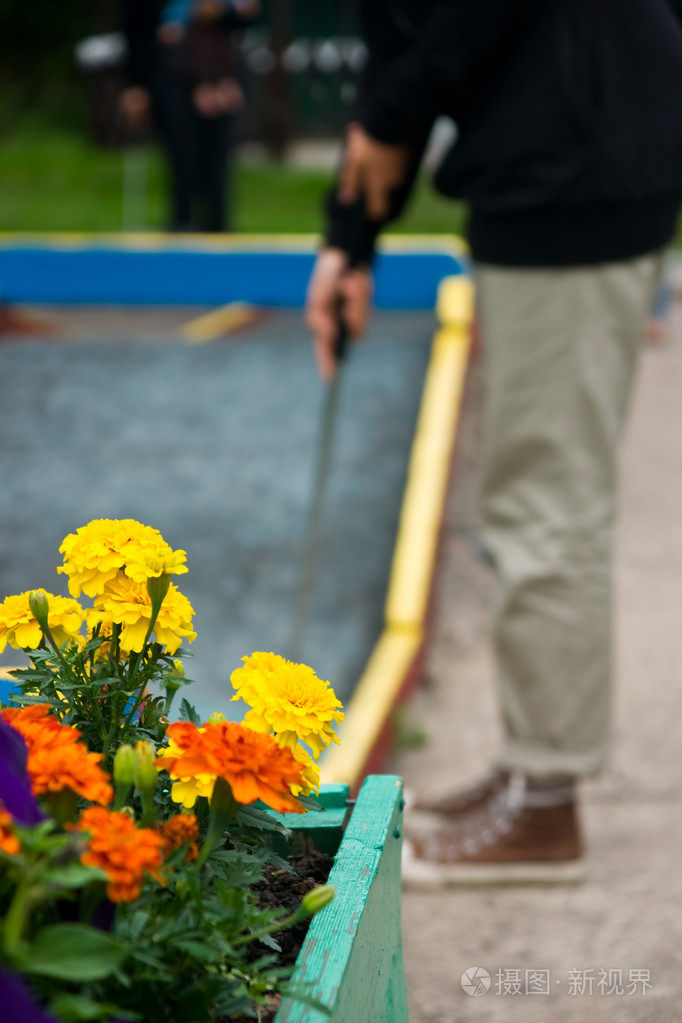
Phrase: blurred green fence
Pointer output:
(305, 60)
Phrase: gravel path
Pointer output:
(214, 445)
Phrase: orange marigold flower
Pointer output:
(253, 764)
(57, 759)
(36, 715)
(122, 851)
(9, 843)
(181, 828)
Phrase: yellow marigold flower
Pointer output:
(128, 604)
(124, 852)
(160, 564)
(310, 775)
(287, 699)
(9, 843)
(185, 790)
(19, 626)
(95, 554)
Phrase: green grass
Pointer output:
(54, 181)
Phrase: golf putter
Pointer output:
(310, 556)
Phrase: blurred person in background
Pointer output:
(569, 153)
(185, 72)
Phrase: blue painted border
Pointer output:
(92, 272)
(7, 687)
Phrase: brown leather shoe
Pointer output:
(506, 842)
(423, 816)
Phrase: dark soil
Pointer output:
(286, 889)
(280, 888)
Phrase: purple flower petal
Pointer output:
(17, 1002)
(15, 787)
(13, 750)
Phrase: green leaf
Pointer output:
(280, 863)
(156, 962)
(253, 817)
(188, 713)
(74, 875)
(197, 949)
(79, 1009)
(26, 701)
(195, 1001)
(137, 923)
(74, 952)
(310, 803)
(302, 994)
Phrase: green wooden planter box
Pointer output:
(352, 958)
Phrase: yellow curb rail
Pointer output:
(154, 241)
(218, 322)
(416, 548)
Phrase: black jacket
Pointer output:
(569, 115)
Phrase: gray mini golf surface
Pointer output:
(215, 446)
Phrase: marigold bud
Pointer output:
(145, 768)
(216, 718)
(317, 899)
(39, 605)
(173, 682)
(157, 588)
(172, 686)
(124, 766)
(223, 803)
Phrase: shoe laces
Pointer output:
(487, 827)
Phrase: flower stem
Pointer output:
(27, 894)
(122, 793)
(148, 808)
(47, 632)
(15, 919)
(223, 808)
(113, 645)
(157, 601)
(279, 925)
(133, 710)
(62, 804)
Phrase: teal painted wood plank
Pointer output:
(334, 800)
(324, 831)
(352, 959)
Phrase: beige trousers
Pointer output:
(560, 354)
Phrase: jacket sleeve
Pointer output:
(443, 61)
(450, 66)
(389, 39)
(350, 229)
